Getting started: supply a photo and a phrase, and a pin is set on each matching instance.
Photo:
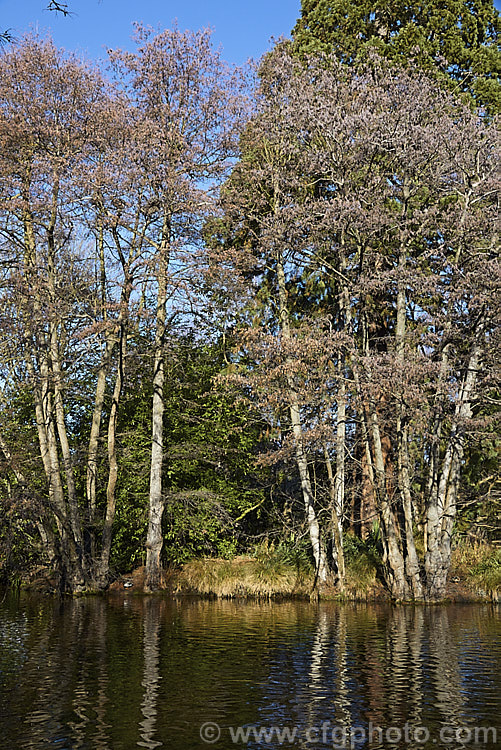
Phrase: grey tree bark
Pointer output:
(319, 554)
(154, 540)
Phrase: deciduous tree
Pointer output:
(49, 115)
(185, 107)
(375, 184)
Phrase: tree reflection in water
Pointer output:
(152, 615)
(124, 671)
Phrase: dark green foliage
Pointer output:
(480, 496)
(20, 547)
(21, 493)
(209, 475)
(211, 443)
(457, 41)
(211, 483)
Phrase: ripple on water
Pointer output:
(122, 672)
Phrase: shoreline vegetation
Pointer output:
(274, 573)
(257, 303)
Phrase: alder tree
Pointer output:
(187, 107)
(103, 192)
(364, 214)
(50, 109)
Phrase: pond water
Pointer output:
(123, 671)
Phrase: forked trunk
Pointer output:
(394, 564)
(442, 502)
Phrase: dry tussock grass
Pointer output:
(263, 577)
(479, 564)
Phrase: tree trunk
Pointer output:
(411, 559)
(393, 558)
(336, 516)
(321, 566)
(112, 459)
(154, 540)
(441, 511)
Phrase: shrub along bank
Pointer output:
(278, 571)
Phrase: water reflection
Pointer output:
(124, 672)
(152, 616)
(387, 668)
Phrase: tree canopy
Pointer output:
(364, 207)
(457, 40)
(232, 311)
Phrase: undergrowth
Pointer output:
(362, 559)
(479, 564)
(269, 572)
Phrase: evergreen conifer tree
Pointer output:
(456, 41)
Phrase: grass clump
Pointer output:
(362, 559)
(271, 571)
(478, 564)
(281, 567)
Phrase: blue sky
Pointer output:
(242, 28)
